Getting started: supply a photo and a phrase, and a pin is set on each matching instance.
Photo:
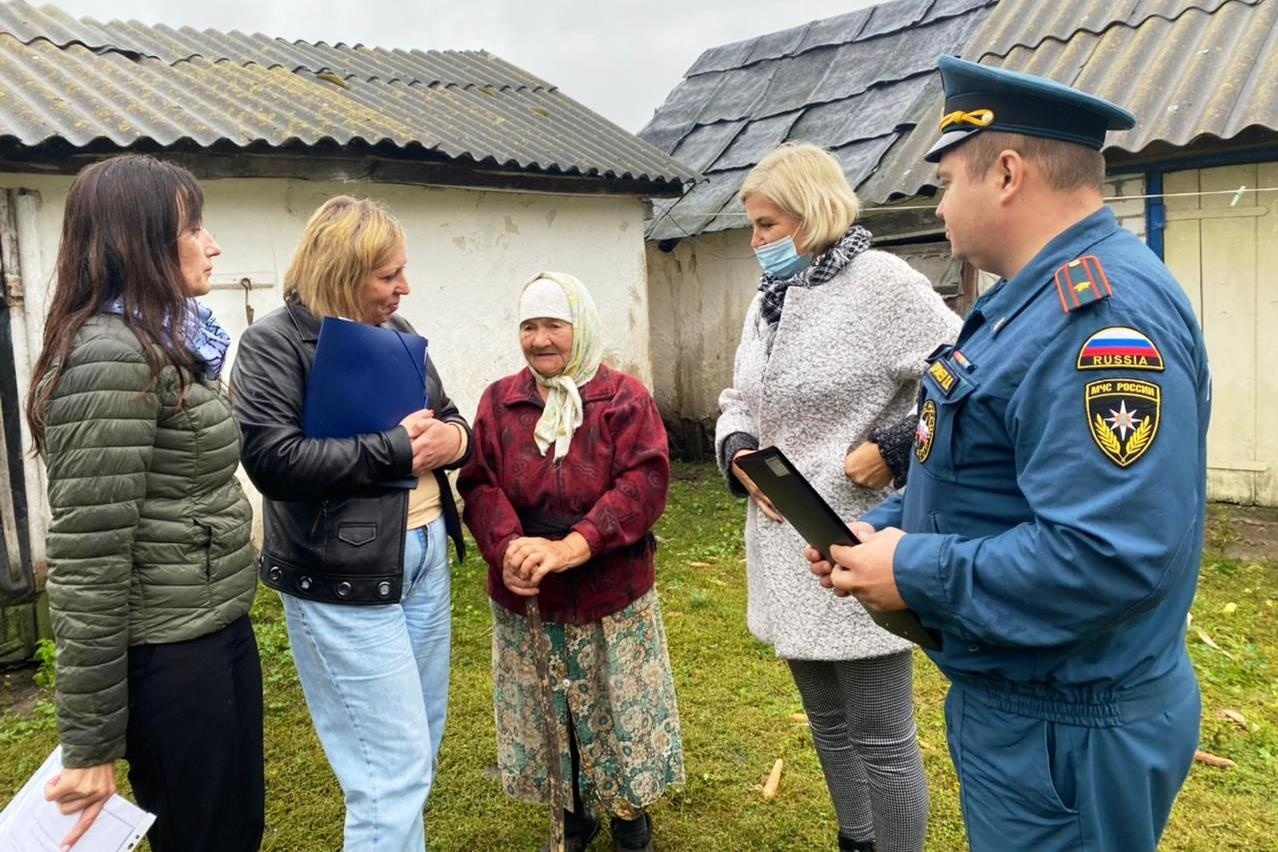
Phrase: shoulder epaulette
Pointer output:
(1081, 282)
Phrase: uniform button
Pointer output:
(275, 573)
(343, 589)
(383, 588)
(305, 583)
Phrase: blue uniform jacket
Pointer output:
(1056, 496)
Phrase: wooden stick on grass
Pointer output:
(773, 784)
(1210, 759)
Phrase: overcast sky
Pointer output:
(620, 59)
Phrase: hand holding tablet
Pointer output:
(809, 513)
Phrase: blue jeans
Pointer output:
(376, 683)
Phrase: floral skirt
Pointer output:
(610, 678)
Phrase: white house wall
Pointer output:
(1127, 201)
(699, 293)
(468, 254)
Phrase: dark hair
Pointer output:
(120, 234)
(1064, 165)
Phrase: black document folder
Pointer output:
(806, 510)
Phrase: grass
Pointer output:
(736, 700)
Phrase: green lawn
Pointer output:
(736, 701)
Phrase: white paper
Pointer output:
(30, 824)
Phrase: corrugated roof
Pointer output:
(1027, 24)
(126, 83)
(846, 83)
(1210, 69)
(1188, 69)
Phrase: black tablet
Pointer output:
(806, 511)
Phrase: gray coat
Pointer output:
(845, 358)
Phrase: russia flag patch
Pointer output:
(1119, 348)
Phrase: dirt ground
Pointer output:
(1244, 533)
(18, 692)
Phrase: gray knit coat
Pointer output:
(845, 358)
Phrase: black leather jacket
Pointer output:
(331, 532)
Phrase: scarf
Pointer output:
(206, 340)
(824, 266)
(563, 412)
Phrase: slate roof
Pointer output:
(125, 83)
(864, 85)
(847, 83)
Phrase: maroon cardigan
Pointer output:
(610, 487)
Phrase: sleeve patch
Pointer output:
(1123, 417)
(1119, 347)
(1081, 282)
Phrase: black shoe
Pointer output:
(847, 844)
(625, 830)
(580, 838)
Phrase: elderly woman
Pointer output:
(831, 351)
(150, 568)
(361, 564)
(568, 476)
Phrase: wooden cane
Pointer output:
(546, 694)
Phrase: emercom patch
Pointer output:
(1119, 347)
(925, 432)
(1122, 415)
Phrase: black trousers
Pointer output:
(194, 741)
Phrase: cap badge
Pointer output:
(977, 118)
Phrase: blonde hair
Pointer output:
(344, 241)
(807, 182)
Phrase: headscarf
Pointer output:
(563, 412)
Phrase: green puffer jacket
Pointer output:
(149, 540)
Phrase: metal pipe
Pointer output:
(28, 332)
(17, 584)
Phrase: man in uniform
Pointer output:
(1052, 526)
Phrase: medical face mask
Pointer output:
(781, 259)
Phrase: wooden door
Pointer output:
(1222, 245)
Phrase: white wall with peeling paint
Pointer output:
(699, 291)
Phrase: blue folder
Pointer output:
(365, 378)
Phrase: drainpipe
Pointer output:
(1155, 213)
(28, 329)
(17, 584)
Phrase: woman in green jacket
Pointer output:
(151, 574)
